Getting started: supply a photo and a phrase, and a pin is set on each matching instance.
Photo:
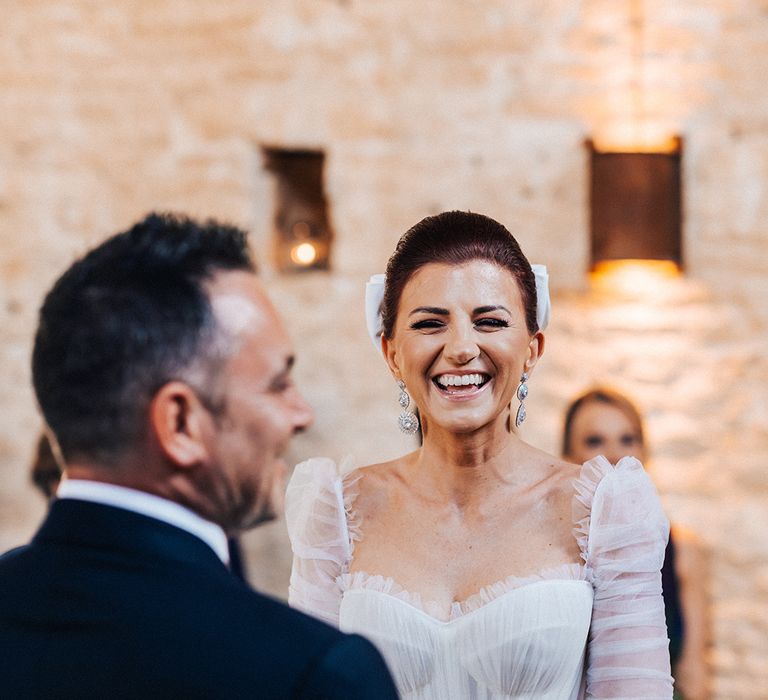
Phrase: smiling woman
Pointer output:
(478, 329)
(461, 560)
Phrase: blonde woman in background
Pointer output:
(604, 422)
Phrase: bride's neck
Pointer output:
(464, 465)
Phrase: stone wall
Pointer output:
(108, 110)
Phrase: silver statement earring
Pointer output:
(407, 421)
(522, 393)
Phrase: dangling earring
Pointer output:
(407, 421)
(522, 393)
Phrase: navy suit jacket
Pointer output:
(106, 603)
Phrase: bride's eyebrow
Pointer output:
(444, 312)
(430, 310)
(488, 309)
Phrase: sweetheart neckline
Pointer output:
(469, 613)
(510, 584)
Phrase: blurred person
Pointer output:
(605, 422)
(163, 373)
(463, 560)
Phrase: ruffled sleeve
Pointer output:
(622, 532)
(315, 512)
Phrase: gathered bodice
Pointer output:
(527, 643)
(521, 637)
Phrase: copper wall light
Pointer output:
(302, 229)
(635, 206)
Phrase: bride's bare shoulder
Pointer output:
(379, 483)
(557, 472)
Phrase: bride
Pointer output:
(480, 566)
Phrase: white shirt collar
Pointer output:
(149, 505)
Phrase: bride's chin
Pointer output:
(461, 425)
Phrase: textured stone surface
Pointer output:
(108, 110)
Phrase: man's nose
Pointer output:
(304, 416)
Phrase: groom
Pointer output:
(164, 374)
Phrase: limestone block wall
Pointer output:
(108, 110)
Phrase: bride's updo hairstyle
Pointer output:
(456, 238)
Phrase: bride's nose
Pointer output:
(460, 346)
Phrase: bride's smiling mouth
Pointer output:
(461, 384)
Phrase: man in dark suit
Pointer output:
(164, 376)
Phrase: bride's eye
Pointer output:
(491, 323)
(427, 324)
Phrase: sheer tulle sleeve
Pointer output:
(622, 532)
(320, 538)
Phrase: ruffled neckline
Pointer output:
(586, 486)
(361, 580)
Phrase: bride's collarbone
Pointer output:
(437, 549)
(445, 572)
(453, 557)
(392, 504)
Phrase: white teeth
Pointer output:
(460, 379)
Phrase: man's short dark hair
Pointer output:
(128, 317)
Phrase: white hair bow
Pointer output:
(374, 294)
(543, 302)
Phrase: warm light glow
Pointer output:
(303, 254)
(626, 139)
(633, 276)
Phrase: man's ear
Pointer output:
(181, 424)
(535, 351)
(390, 356)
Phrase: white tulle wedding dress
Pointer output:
(593, 629)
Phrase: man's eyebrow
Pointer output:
(429, 310)
(488, 309)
